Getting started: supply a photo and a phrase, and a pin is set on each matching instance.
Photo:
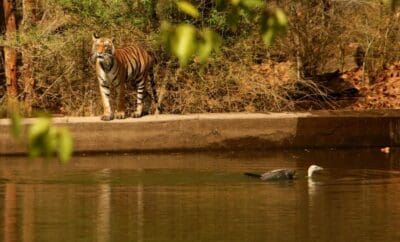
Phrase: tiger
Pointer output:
(116, 67)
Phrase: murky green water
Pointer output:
(202, 197)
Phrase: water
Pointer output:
(202, 197)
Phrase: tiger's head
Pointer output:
(103, 50)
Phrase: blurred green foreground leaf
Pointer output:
(45, 139)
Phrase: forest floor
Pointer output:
(384, 93)
(347, 90)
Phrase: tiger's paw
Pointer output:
(120, 115)
(137, 114)
(106, 117)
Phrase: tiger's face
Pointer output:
(102, 50)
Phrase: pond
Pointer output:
(202, 197)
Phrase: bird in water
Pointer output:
(283, 174)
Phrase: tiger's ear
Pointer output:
(113, 39)
(95, 37)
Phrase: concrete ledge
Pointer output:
(225, 131)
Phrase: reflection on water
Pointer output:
(202, 197)
(103, 211)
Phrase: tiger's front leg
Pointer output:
(139, 107)
(120, 114)
(105, 98)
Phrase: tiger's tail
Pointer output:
(154, 90)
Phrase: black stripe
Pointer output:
(133, 64)
(139, 65)
(105, 86)
(114, 78)
(113, 81)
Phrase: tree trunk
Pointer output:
(10, 54)
(28, 20)
(2, 31)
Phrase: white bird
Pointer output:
(312, 169)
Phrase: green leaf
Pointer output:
(16, 125)
(65, 145)
(272, 24)
(281, 18)
(45, 140)
(38, 137)
(184, 42)
(268, 37)
(38, 129)
(188, 8)
(211, 41)
(235, 2)
(166, 32)
(251, 4)
(50, 142)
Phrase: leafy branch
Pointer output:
(186, 41)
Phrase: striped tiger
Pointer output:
(116, 67)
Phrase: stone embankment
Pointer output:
(224, 131)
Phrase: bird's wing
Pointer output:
(272, 175)
(276, 170)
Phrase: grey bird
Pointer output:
(283, 174)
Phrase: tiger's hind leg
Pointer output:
(139, 111)
(147, 102)
(120, 114)
(139, 105)
(154, 90)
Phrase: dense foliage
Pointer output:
(241, 73)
